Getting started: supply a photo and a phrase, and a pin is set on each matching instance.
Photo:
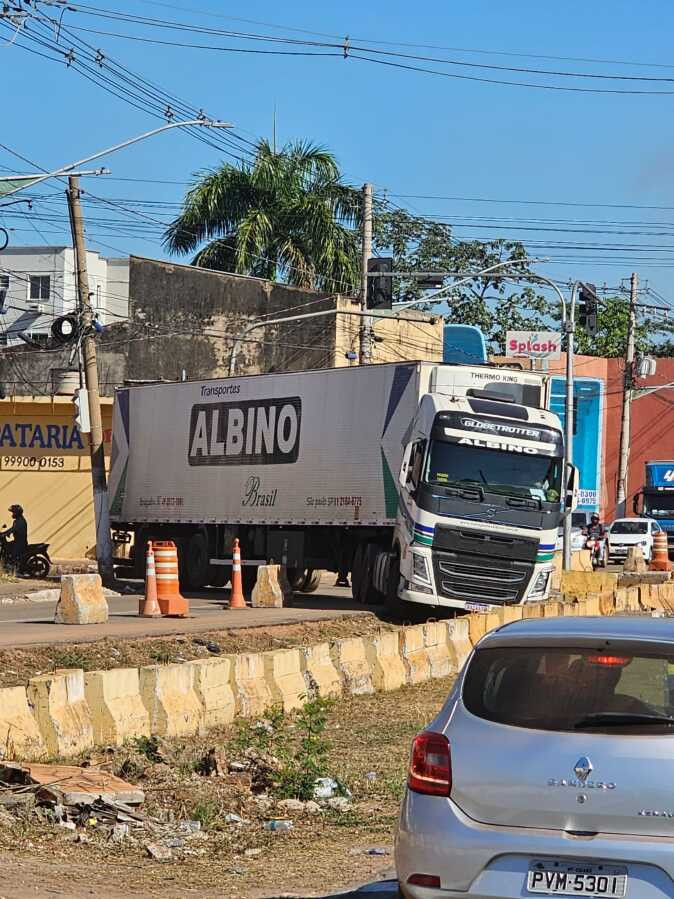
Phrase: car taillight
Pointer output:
(430, 766)
(609, 661)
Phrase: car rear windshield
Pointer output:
(629, 527)
(572, 689)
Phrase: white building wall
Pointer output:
(22, 313)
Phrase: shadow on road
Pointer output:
(381, 889)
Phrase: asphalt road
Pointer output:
(31, 624)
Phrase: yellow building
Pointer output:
(45, 467)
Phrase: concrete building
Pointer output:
(183, 322)
(39, 285)
(45, 466)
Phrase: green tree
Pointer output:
(286, 215)
(493, 304)
(611, 337)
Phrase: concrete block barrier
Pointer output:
(283, 673)
(320, 674)
(169, 696)
(212, 684)
(252, 695)
(81, 601)
(117, 710)
(415, 654)
(350, 659)
(435, 642)
(477, 626)
(267, 592)
(458, 637)
(588, 582)
(388, 670)
(533, 610)
(61, 711)
(20, 737)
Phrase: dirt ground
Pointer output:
(18, 665)
(326, 850)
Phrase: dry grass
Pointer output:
(368, 734)
(18, 665)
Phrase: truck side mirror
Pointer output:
(404, 467)
(573, 479)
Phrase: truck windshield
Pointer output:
(451, 464)
(660, 506)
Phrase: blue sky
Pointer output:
(409, 133)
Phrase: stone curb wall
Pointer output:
(68, 711)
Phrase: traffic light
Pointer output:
(587, 308)
(81, 401)
(380, 290)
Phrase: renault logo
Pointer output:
(583, 768)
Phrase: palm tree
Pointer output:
(286, 216)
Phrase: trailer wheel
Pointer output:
(196, 564)
(311, 581)
(296, 577)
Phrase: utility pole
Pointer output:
(98, 476)
(570, 328)
(627, 400)
(366, 327)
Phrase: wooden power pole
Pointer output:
(627, 401)
(98, 476)
(365, 354)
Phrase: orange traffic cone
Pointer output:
(660, 558)
(171, 602)
(236, 599)
(150, 605)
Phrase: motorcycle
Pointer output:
(33, 563)
(597, 548)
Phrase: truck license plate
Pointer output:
(577, 879)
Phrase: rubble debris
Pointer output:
(158, 852)
(339, 803)
(70, 784)
(325, 787)
(213, 764)
(278, 824)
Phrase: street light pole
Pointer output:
(67, 169)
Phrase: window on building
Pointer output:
(4, 282)
(39, 287)
(3, 338)
(38, 337)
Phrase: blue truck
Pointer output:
(656, 497)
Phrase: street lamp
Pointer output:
(67, 169)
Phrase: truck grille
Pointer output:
(472, 577)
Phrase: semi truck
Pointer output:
(656, 497)
(441, 485)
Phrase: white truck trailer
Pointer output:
(430, 483)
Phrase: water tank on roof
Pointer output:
(64, 381)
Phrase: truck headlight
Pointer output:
(541, 582)
(420, 568)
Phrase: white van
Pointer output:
(626, 532)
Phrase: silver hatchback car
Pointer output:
(550, 769)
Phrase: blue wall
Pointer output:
(588, 434)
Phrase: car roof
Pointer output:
(632, 518)
(583, 631)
